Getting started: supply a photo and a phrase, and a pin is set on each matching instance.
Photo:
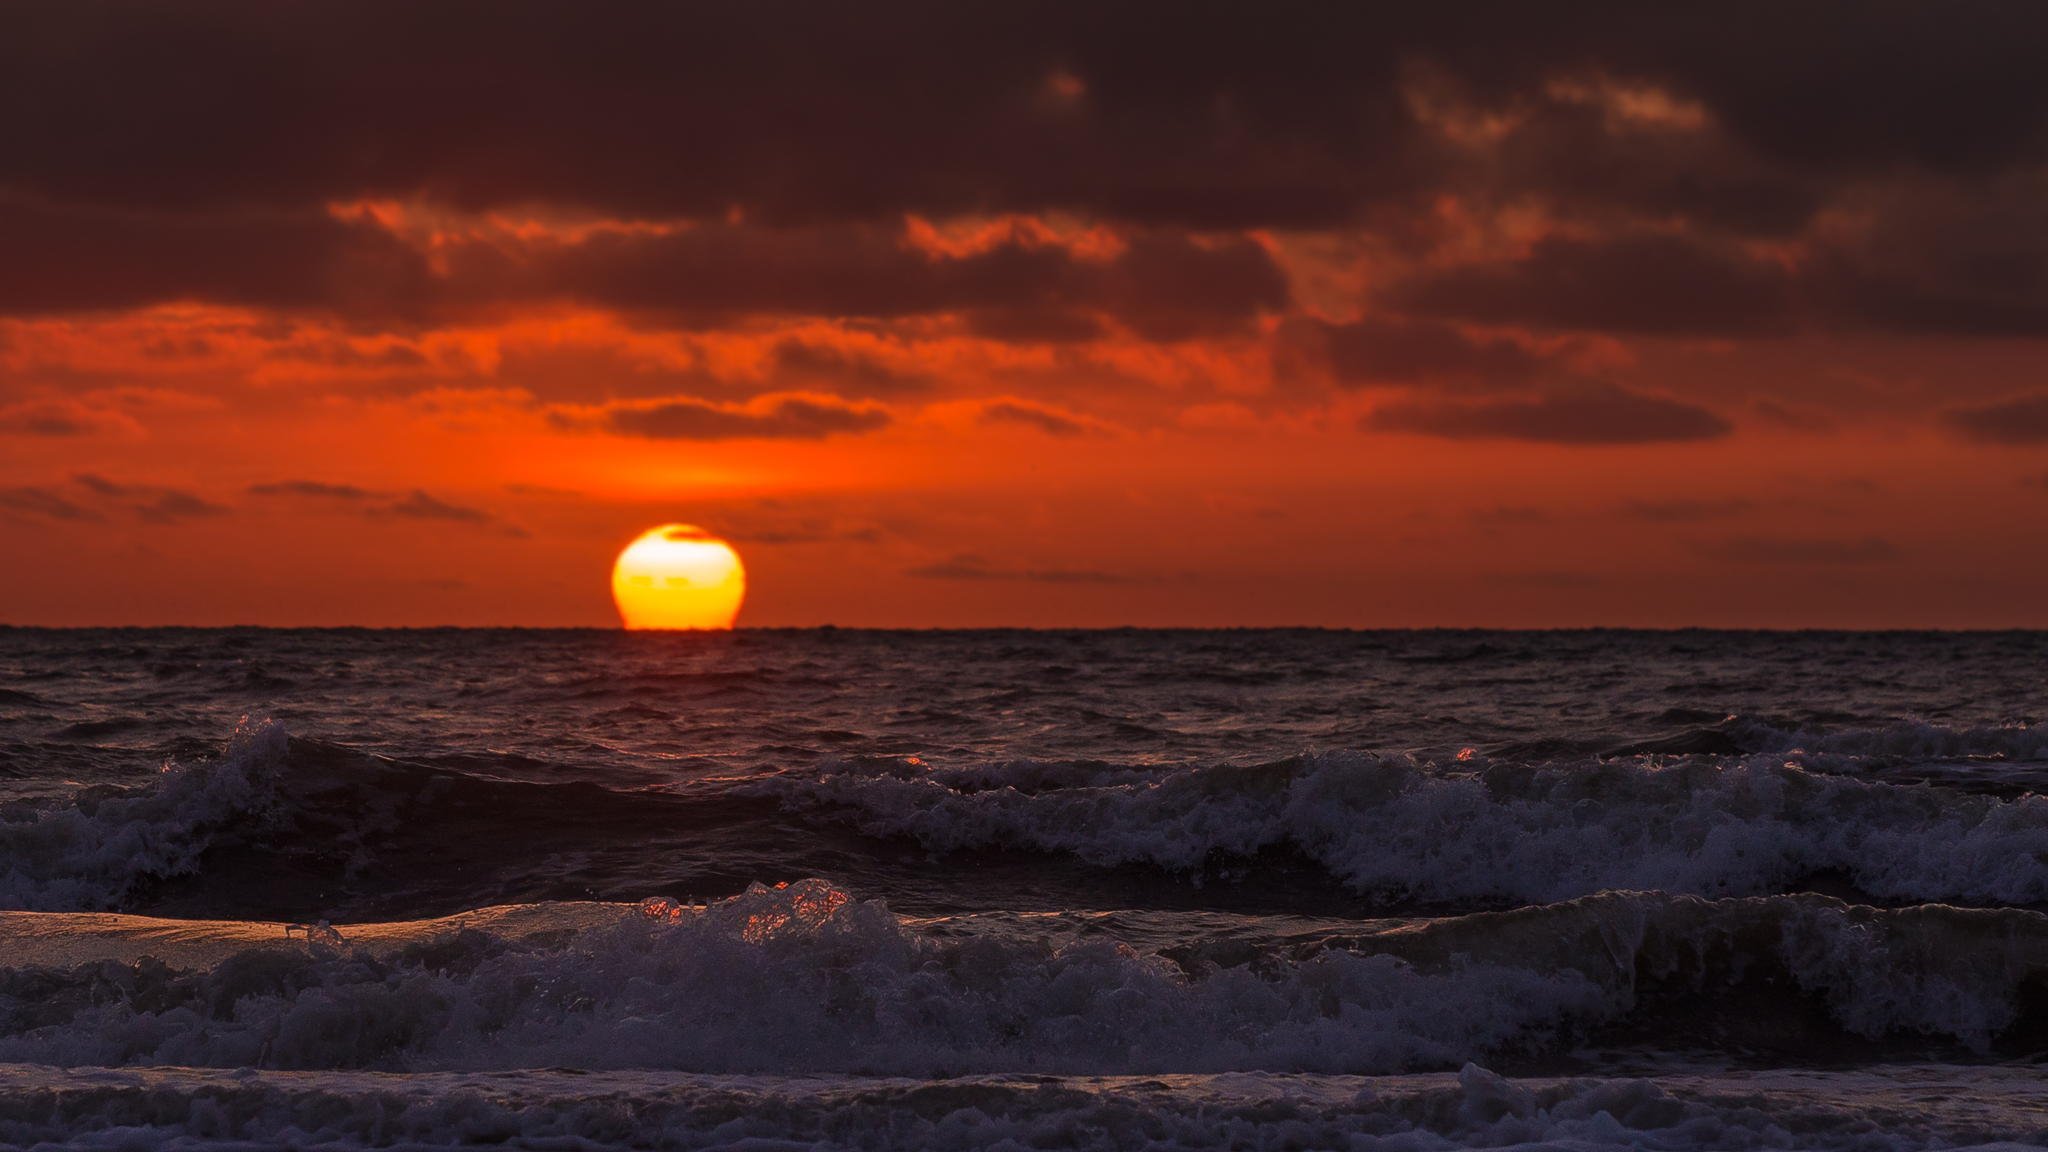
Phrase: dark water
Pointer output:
(1310, 855)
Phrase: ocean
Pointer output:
(1023, 889)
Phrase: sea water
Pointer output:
(1023, 889)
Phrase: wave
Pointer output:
(91, 852)
(1394, 828)
(1920, 1108)
(1811, 742)
(1904, 741)
(277, 825)
(280, 825)
(806, 978)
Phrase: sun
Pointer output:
(678, 576)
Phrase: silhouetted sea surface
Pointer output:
(1023, 889)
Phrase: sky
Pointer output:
(1040, 314)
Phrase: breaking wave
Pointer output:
(94, 850)
(807, 978)
(1394, 828)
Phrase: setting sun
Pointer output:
(678, 576)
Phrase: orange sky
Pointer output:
(1590, 339)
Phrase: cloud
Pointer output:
(45, 504)
(1390, 350)
(1046, 419)
(152, 504)
(2021, 420)
(170, 507)
(102, 486)
(65, 258)
(1162, 286)
(1038, 324)
(315, 489)
(1958, 259)
(816, 364)
(394, 272)
(766, 418)
(1166, 288)
(1592, 414)
(1803, 550)
(1653, 144)
(1686, 511)
(418, 505)
(968, 567)
(60, 419)
(414, 505)
(1295, 118)
(1649, 284)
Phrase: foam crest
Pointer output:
(1392, 827)
(796, 978)
(1905, 740)
(94, 851)
(1921, 1108)
(806, 978)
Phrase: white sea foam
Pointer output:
(1392, 827)
(802, 978)
(1898, 1109)
(1905, 740)
(807, 979)
(91, 852)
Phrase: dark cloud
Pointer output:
(2022, 420)
(1653, 284)
(1166, 287)
(784, 418)
(1686, 511)
(1046, 420)
(1570, 148)
(56, 420)
(1389, 350)
(1798, 417)
(1288, 114)
(1592, 414)
(968, 567)
(100, 485)
(1967, 261)
(150, 503)
(784, 530)
(1801, 550)
(44, 424)
(812, 364)
(63, 258)
(317, 489)
(171, 507)
(154, 152)
(418, 505)
(1040, 325)
(45, 504)
(414, 505)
